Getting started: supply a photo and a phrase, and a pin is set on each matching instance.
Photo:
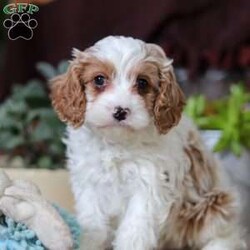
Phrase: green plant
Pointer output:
(230, 115)
(29, 127)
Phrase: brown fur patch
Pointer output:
(163, 97)
(169, 102)
(170, 99)
(94, 67)
(187, 221)
(149, 72)
(202, 205)
(68, 97)
(203, 166)
(68, 90)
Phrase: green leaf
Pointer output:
(236, 148)
(46, 69)
(29, 125)
(9, 142)
(42, 132)
(62, 67)
(33, 88)
(45, 162)
(195, 106)
(56, 148)
(230, 115)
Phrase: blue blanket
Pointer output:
(16, 236)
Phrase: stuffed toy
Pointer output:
(30, 217)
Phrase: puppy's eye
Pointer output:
(99, 81)
(142, 83)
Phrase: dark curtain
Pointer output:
(196, 33)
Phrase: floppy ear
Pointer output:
(170, 99)
(68, 95)
(169, 102)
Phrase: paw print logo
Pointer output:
(20, 26)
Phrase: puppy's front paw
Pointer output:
(225, 245)
(94, 240)
(91, 245)
(134, 241)
(130, 244)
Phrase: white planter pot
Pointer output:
(237, 167)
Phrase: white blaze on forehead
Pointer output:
(118, 48)
(123, 52)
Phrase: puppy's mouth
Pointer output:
(121, 125)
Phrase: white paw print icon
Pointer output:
(20, 26)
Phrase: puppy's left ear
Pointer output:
(170, 100)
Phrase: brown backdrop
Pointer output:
(196, 33)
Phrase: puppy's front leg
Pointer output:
(137, 230)
(93, 222)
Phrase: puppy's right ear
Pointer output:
(68, 94)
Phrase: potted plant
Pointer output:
(225, 127)
(30, 138)
(29, 129)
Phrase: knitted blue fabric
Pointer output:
(16, 236)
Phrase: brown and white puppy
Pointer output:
(141, 176)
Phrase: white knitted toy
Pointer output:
(22, 201)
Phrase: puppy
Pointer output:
(141, 176)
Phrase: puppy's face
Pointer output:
(119, 82)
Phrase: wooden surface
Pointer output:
(54, 185)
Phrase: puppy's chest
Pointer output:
(117, 172)
(140, 169)
(128, 164)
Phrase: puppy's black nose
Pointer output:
(120, 113)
